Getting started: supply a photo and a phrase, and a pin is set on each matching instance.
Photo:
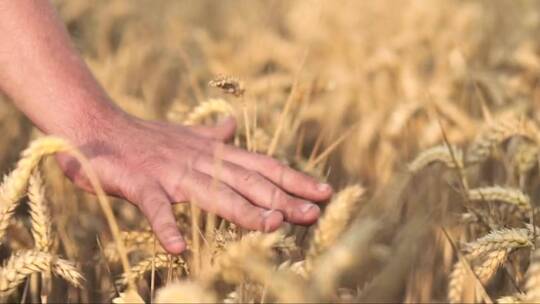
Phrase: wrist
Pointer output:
(87, 119)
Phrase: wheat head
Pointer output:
(22, 264)
(39, 213)
(207, 109)
(440, 154)
(334, 221)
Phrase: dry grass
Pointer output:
(431, 106)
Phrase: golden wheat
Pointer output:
(495, 133)
(229, 85)
(160, 260)
(502, 194)
(207, 109)
(39, 213)
(185, 292)
(435, 154)
(14, 184)
(23, 264)
(334, 221)
(532, 285)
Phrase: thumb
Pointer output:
(155, 205)
(223, 130)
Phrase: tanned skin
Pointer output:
(151, 164)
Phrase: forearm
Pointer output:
(44, 75)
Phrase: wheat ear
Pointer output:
(485, 255)
(133, 240)
(39, 213)
(160, 260)
(208, 108)
(437, 154)
(496, 133)
(14, 184)
(22, 264)
(532, 285)
(334, 221)
(507, 195)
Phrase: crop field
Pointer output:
(424, 115)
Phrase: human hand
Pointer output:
(153, 164)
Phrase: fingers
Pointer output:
(216, 197)
(259, 190)
(222, 131)
(155, 205)
(288, 179)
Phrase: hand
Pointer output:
(153, 164)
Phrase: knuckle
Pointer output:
(166, 227)
(272, 164)
(274, 197)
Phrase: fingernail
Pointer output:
(307, 207)
(267, 224)
(323, 187)
(175, 244)
(267, 213)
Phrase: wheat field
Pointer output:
(423, 115)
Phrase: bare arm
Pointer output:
(148, 163)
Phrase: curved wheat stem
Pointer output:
(441, 154)
(334, 222)
(23, 264)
